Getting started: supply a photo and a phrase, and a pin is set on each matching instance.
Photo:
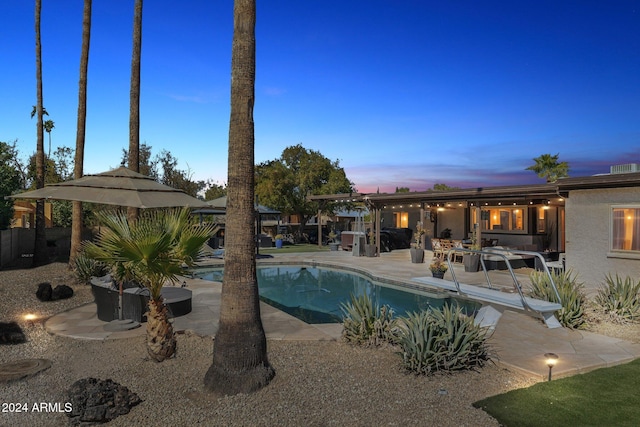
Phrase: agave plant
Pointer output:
(367, 324)
(572, 297)
(85, 267)
(150, 251)
(441, 340)
(620, 298)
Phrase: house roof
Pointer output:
(536, 193)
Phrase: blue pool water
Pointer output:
(314, 294)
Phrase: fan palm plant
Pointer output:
(150, 251)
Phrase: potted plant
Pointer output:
(417, 253)
(278, 241)
(471, 260)
(370, 248)
(438, 267)
(333, 245)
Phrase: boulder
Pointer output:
(44, 292)
(62, 292)
(11, 333)
(99, 401)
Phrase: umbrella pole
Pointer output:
(120, 295)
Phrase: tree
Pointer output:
(134, 96)
(240, 363)
(548, 167)
(10, 182)
(402, 189)
(150, 250)
(163, 168)
(214, 191)
(176, 178)
(148, 166)
(40, 248)
(285, 183)
(48, 127)
(78, 167)
(444, 187)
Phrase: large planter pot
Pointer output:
(333, 246)
(438, 274)
(417, 255)
(370, 250)
(471, 262)
(278, 243)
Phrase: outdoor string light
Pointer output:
(551, 359)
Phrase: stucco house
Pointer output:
(594, 221)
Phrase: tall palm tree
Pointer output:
(134, 97)
(76, 213)
(548, 167)
(40, 249)
(240, 363)
(48, 127)
(150, 250)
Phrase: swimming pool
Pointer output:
(314, 294)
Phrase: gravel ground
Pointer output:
(316, 383)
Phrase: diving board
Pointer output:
(495, 301)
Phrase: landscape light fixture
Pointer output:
(551, 359)
(30, 318)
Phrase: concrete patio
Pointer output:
(519, 341)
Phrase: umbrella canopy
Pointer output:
(220, 206)
(120, 187)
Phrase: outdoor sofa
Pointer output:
(135, 300)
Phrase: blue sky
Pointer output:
(403, 93)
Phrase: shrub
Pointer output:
(366, 324)
(441, 340)
(620, 299)
(572, 298)
(85, 267)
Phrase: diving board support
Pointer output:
(488, 316)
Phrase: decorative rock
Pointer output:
(99, 401)
(44, 292)
(20, 369)
(11, 333)
(62, 292)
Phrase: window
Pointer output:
(625, 231)
(401, 219)
(497, 218)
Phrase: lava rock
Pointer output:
(61, 292)
(97, 401)
(44, 292)
(11, 333)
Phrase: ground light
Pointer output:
(30, 318)
(551, 359)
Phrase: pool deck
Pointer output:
(519, 341)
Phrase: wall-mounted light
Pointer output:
(551, 359)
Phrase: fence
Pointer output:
(16, 244)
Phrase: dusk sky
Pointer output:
(403, 93)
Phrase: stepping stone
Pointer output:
(20, 369)
(121, 325)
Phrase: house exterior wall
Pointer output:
(588, 228)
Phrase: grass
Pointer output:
(288, 249)
(607, 396)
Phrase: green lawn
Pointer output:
(288, 249)
(604, 397)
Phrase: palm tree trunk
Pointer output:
(161, 342)
(240, 363)
(134, 98)
(76, 214)
(40, 249)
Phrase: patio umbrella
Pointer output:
(120, 187)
